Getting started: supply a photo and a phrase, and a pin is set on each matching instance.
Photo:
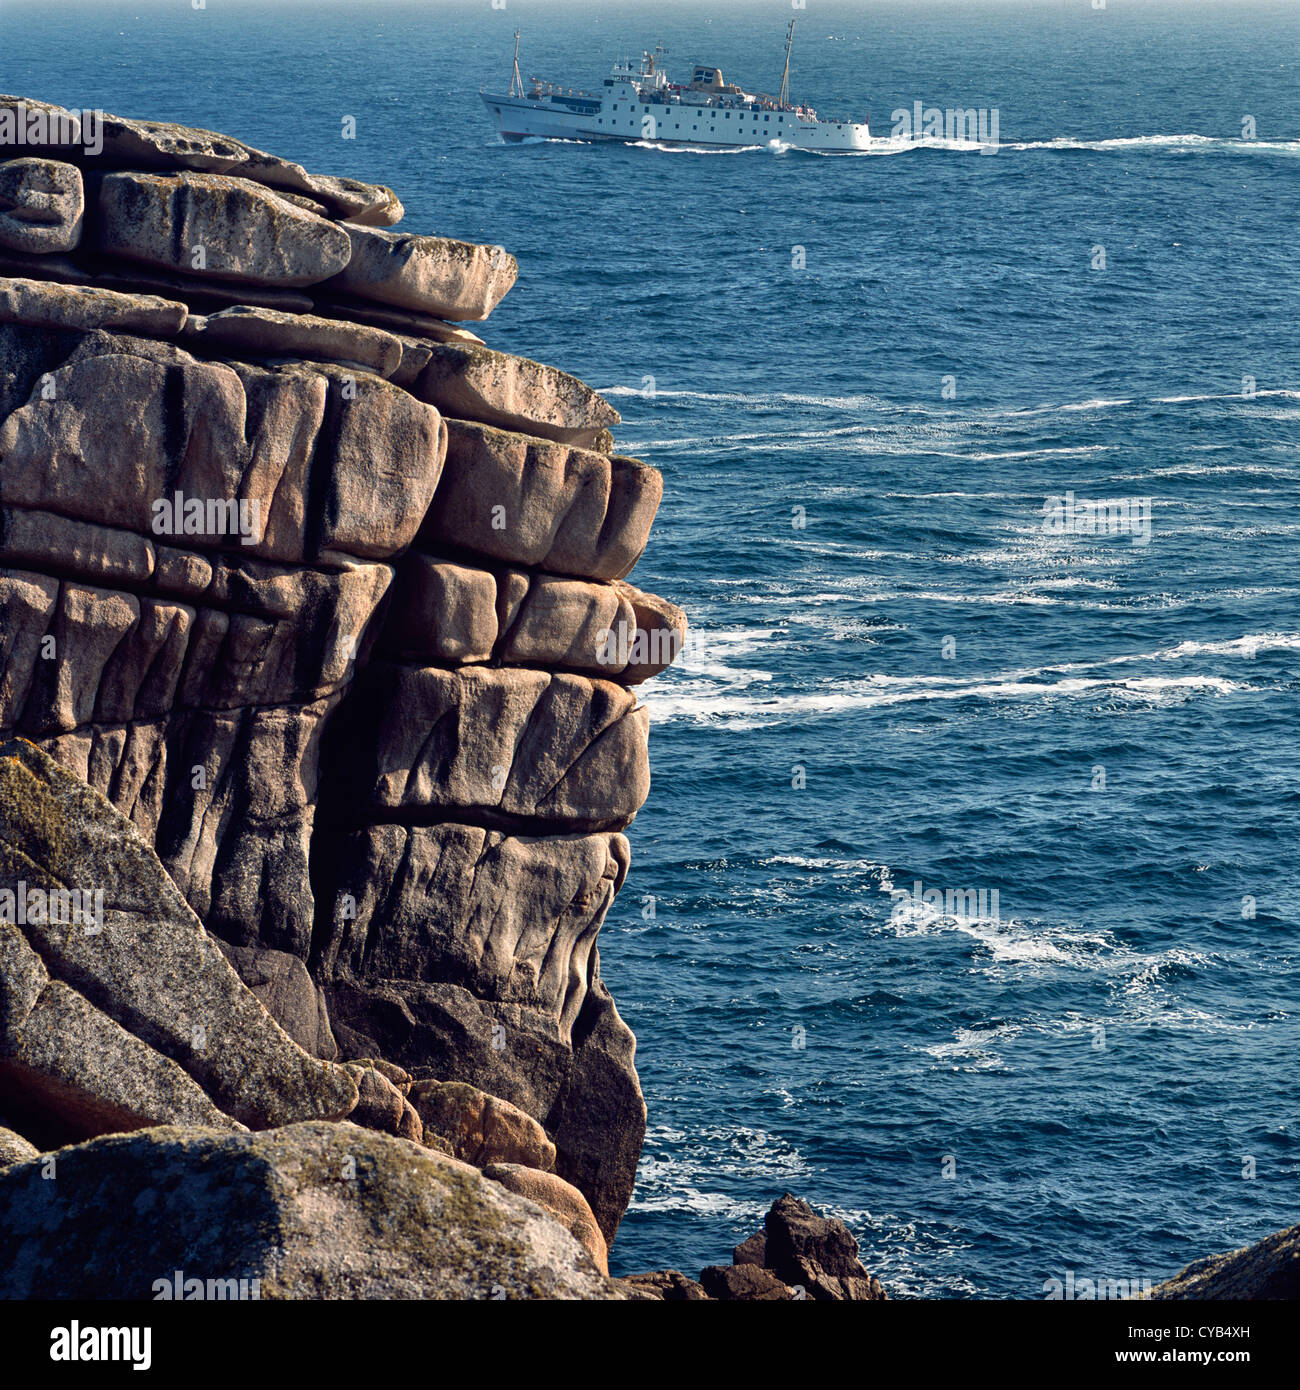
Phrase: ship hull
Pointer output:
(521, 118)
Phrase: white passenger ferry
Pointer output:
(643, 104)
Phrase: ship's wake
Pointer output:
(1141, 144)
(897, 145)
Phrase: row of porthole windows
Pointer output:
(713, 114)
(600, 121)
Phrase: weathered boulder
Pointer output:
(156, 702)
(430, 275)
(214, 225)
(160, 145)
(121, 947)
(42, 203)
(565, 1203)
(310, 1211)
(442, 613)
(662, 1286)
(48, 304)
(228, 798)
(445, 613)
(245, 331)
(478, 1128)
(399, 1076)
(656, 638)
(83, 1071)
(288, 463)
(512, 393)
(1269, 1269)
(581, 1086)
(541, 504)
(381, 1105)
(117, 654)
(743, 1284)
(565, 623)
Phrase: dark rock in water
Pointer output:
(311, 1211)
(743, 1283)
(752, 1251)
(662, 1286)
(816, 1253)
(796, 1233)
(1268, 1270)
(806, 1255)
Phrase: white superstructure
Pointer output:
(642, 104)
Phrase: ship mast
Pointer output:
(784, 98)
(516, 82)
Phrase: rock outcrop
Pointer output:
(316, 1210)
(1267, 1270)
(797, 1256)
(317, 659)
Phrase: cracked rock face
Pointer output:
(120, 1011)
(326, 597)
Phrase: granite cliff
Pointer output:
(318, 677)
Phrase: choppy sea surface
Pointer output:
(899, 673)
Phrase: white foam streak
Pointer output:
(741, 711)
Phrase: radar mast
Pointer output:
(784, 98)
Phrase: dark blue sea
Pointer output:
(900, 672)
